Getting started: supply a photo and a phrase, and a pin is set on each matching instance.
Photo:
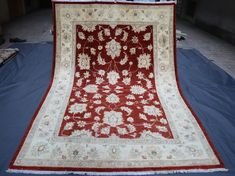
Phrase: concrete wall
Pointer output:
(4, 12)
(215, 16)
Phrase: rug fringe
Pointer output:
(117, 173)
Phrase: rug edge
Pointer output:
(118, 173)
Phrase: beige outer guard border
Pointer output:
(43, 151)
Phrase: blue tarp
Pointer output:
(208, 89)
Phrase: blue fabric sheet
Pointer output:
(208, 89)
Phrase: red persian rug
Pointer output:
(114, 104)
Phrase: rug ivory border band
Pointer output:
(45, 149)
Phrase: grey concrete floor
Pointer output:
(219, 51)
(36, 26)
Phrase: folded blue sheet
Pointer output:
(208, 89)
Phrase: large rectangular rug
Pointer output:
(114, 105)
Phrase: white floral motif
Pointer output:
(112, 98)
(105, 130)
(69, 126)
(84, 61)
(138, 28)
(144, 61)
(147, 36)
(101, 72)
(91, 88)
(152, 110)
(81, 123)
(124, 60)
(125, 72)
(113, 118)
(99, 80)
(122, 131)
(126, 80)
(81, 35)
(100, 60)
(113, 77)
(81, 133)
(162, 128)
(77, 108)
(88, 27)
(137, 90)
(78, 46)
(133, 51)
(135, 39)
(113, 48)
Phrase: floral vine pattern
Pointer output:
(114, 92)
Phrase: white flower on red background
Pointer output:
(126, 80)
(124, 47)
(135, 39)
(151, 75)
(113, 77)
(97, 101)
(105, 130)
(93, 51)
(150, 47)
(77, 108)
(91, 88)
(81, 123)
(113, 118)
(122, 131)
(129, 103)
(133, 51)
(66, 117)
(131, 128)
(130, 119)
(78, 46)
(125, 72)
(107, 32)
(162, 128)
(99, 80)
(118, 31)
(77, 74)
(147, 36)
(163, 121)
(97, 96)
(137, 90)
(87, 115)
(113, 48)
(84, 61)
(86, 74)
(77, 93)
(152, 110)
(81, 35)
(131, 97)
(112, 98)
(100, 47)
(69, 126)
(101, 72)
(144, 61)
(140, 75)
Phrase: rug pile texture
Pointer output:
(114, 104)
